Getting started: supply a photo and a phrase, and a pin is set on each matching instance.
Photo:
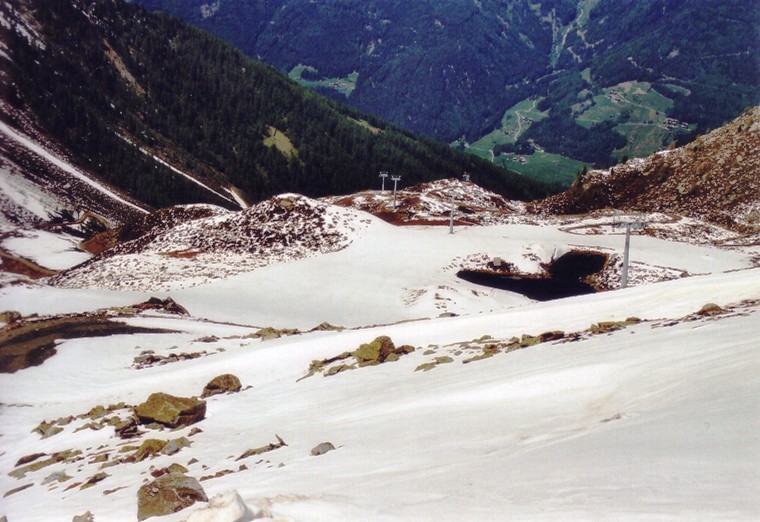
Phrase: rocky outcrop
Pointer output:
(168, 494)
(167, 305)
(171, 411)
(226, 383)
(381, 350)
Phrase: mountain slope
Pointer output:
(456, 70)
(168, 115)
(715, 178)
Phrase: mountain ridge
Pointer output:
(167, 114)
(453, 70)
(713, 178)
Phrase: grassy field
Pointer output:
(641, 114)
(516, 120)
(635, 102)
(539, 165)
(281, 142)
(345, 86)
(550, 168)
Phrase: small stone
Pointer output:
(177, 468)
(98, 477)
(29, 458)
(322, 448)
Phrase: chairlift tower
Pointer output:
(383, 175)
(452, 193)
(395, 180)
(630, 224)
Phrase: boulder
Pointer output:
(376, 351)
(168, 494)
(322, 448)
(226, 383)
(171, 411)
(711, 309)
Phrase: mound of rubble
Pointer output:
(195, 246)
(430, 204)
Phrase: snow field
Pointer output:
(647, 422)
(655, 421)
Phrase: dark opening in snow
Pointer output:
(576, 265)
(564, 277)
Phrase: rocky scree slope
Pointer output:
(714, 178)
(219, 245)
(430, 204)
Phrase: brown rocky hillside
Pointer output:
(715, 178)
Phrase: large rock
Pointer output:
(168, 494)
(376, 351)
(226, 383)
(380, 350)
(171, 411)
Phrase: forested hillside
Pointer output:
(608, 79)
(116, 86)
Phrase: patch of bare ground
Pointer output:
(26, 342)
(25, 267)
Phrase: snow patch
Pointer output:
(40, 151)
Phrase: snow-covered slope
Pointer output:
(622, 405)
(655, 420)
